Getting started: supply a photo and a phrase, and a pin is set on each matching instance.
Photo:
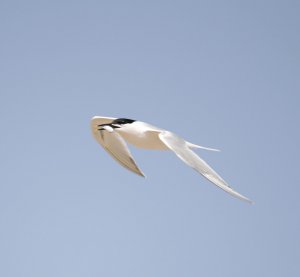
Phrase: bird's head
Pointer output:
(116, 123)
(119, 122)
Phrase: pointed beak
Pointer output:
(100, 127)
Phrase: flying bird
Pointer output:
(113, 133)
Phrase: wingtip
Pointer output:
(247, 200)
(140, 173)
(251, 202)
(239, 196)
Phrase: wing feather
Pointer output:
(181, 149)
(115, 145)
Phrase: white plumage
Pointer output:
(112, 133)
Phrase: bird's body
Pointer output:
(112, 133)
(142, 135)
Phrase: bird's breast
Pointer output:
(142, 139)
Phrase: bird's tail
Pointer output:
(191, 145)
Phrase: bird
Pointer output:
(113, 133)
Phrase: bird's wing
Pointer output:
(98, 120)
(181, 149)
(115, 145)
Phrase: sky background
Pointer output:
(221, 74)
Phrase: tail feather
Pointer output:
(191, 145)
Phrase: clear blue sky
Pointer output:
(223, 74)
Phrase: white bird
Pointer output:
(112, 133)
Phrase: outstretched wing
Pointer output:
(115, 145)
(181, 149)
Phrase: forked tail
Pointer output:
(191, 145)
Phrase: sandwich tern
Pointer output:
(113, 133)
